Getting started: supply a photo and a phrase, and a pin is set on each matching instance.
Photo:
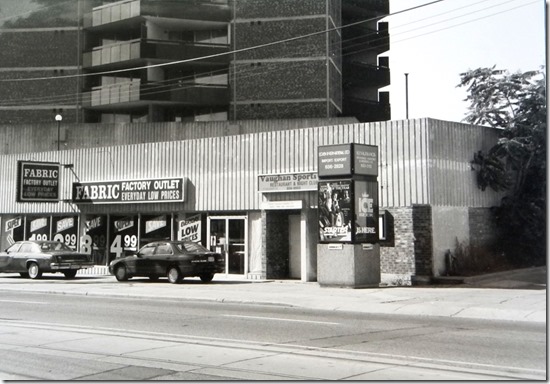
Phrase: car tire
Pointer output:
(34, 271)
(121, 273)
(207, 277)
(174, 275)
(70, 274)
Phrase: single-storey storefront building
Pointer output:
(253, 196)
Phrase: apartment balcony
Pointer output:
(146, 51)
(368, 110)
(133, 94)
(130, 12)
(360, 38)
(358, 74)
(361, 9)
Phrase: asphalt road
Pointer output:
(67, 337)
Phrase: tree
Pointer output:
(516, 104)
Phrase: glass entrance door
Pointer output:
(228, 235)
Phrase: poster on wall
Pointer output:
(366, 212)
(38, 228)
(14, 230)
(335, 208)
(93, 240)
(124, 236)
(154, 228)
(65, 230)
(190, 229)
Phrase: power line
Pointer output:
(243, 69)
(241, 50)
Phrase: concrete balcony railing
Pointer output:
(160, 50)
(120, 11)
(113, 12)
(133, 93)
(361, 74)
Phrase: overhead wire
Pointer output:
(240, 50)
(162, 88)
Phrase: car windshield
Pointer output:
(53, 246)
(191, 247)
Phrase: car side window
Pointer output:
(14, 248)
(164, 249)
(27, 248)
(147, 251)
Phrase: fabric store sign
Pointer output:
(289, 182)
(130, 191)
(37, 181)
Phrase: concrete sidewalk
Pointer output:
(476, 299)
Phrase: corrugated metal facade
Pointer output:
(422, 161)
(74, 136)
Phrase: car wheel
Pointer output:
(70, 274)
(121, 273)
(174, 275)
(207, 277)
(34, 271)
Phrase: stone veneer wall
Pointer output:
(407, 250)
(423, 234)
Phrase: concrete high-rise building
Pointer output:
(192, 60)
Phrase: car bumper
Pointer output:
(64, 266)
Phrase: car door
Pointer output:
(27, 251)
(6, 258)
(163, 257)
(143, 262)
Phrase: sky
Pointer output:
(435, 43)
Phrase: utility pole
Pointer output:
(407, 96)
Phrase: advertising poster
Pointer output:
(38, 228)
(366, 211)
(154, 228)
(94, 238)
(335, 208)
(124, 236)
(14, 230)
(190, 229)
(65, 230)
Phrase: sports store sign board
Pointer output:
(130, 191)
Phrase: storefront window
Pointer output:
(93, 240)
(65, 230)
(38, 228)
(124, 236)
(154, 228)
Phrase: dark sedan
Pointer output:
(32, 258)
(173, 259)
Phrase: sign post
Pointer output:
(348, 253)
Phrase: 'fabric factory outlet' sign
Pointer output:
(37, 181)
(130, 191)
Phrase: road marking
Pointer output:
(281, 319)
(22, 302)
(361, 356)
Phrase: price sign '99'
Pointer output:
(125, 235)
